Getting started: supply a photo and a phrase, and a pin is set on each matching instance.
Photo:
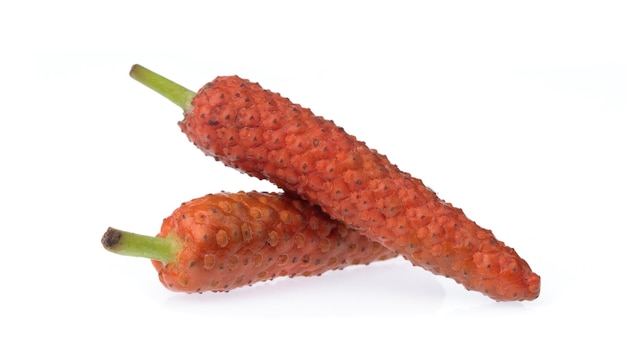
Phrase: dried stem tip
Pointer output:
(137, 245)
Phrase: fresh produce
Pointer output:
(269, 137)
(223, 241)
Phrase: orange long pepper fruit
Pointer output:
(224, 241)
(267, 136)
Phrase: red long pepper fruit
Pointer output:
(223, 241)
(269, 137)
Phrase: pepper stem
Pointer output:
(174, 92)
(137, 245)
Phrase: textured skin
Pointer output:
(269, 137)
(231, 240)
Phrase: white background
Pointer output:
(513, 111)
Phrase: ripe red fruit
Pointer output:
(223, 241)
(267, 136)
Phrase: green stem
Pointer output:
(137, 245)
(176, 93)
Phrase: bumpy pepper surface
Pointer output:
(267, 136)
(223, 241)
